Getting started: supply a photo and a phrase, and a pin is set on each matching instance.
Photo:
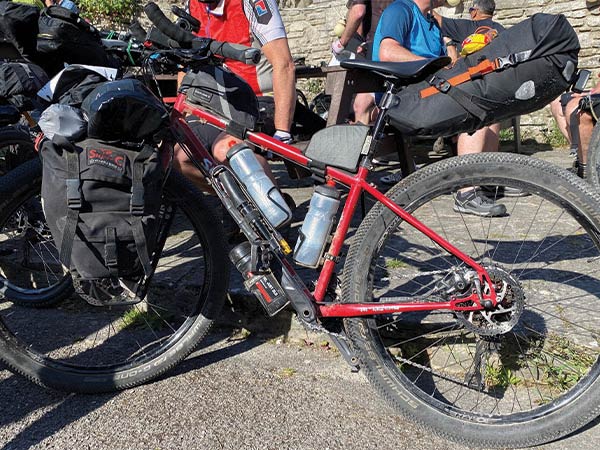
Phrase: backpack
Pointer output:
(20, 82)
(19, 27)
(520, 71)
(102, 204)
(64, 37)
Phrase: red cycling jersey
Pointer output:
(248, 22)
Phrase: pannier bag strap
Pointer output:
(483, 68)
(137, 208)
(74, 200)
(110, 251)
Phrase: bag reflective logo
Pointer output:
(107, 158)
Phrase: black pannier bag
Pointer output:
(20, 82)
(19, 27)
(102, 204)
(124, 110)
(223, 93)
(64, 37)
(520, 71)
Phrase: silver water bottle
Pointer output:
(260, 187)
(317, 226)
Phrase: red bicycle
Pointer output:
(484, 330)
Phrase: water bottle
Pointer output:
(260, 187)
(317, 226)
(263, 284)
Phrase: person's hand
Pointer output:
(337, 47)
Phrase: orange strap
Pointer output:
(483, 68)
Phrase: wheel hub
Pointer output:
(505, 315)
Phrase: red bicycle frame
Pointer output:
(357, 184)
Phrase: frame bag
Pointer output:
(223, 93)
(102, 204)
(522, 70)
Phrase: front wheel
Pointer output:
(77, 347)
(520, 375)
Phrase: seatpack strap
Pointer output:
(73, 194)
(483, 68)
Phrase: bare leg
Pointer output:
(485, 140)
(364, 104)
(559, 115)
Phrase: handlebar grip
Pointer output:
(247, 55)
(137, 31)
(178, 34)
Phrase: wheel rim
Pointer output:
(544, 361)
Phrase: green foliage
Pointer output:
(115, 11)
(554, 137)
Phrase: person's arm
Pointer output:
(284, 81)
(353, 21)
(451, 49)
(390, 50)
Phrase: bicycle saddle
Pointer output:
(400, 70)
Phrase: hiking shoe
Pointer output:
(477, 203)
(392, 178)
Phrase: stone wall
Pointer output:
(310, 24)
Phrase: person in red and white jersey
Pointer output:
(254, 23)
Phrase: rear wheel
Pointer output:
(82, 348)
(522, 374)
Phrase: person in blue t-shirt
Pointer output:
(407, 32)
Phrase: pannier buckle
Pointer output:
(73, 193)
(110, 255)
(136, 206)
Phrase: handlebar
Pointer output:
(185, 39)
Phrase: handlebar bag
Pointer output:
(124, 110)
(101, 204)
(64, 37)
(223, 93)
(520, 71)
(19, 26)
(20, 82)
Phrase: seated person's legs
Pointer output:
(471, 200)
(364, 106)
